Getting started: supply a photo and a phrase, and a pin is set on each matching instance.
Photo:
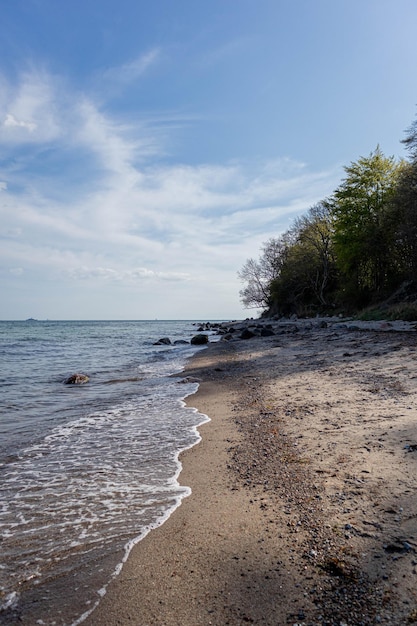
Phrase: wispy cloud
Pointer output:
(29, 111)
(87, 197)
(131, 71)
(12, 122)
(135, 274)
(224, 52)
(16, 271)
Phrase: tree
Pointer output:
(410, 140)
(307, 270)
(361, 240)
(315, 236)
(404, 223)
(258, 275)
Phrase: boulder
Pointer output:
(199, 340)
(247, 334)
(77, 379)
(267, 332)
(205, 326)
(180, 342)
(165, 341)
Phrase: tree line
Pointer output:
(352, 250)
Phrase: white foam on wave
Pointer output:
(56, 472)
(77, 489)
(157, 523)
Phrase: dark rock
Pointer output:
(247, 334)
(206, 326)
(267, 332)
(77, 379)
(165, 341)
(180, 342)
(292, 328)
(199, 340)
(399, 547)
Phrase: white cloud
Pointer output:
(29, 110)
(177, 219)
(105, 139)
(143, 273)
(132, 70)
(224, 52)
(16, 271)
(11, 121)
(125, 217)
(136, 274)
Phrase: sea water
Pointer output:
(88, 470)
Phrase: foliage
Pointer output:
(353, 250)
(361, 207)
(308, 269)
(404, 311)
(410, 140)
(404, 222)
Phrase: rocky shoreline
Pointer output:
(303, 505)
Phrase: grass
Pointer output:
(402, 311)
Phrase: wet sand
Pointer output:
(303, 506)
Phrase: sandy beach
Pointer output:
(303, 506)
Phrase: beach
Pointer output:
(303, 507)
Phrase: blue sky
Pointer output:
(147, 149)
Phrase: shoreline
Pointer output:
(302, 507)
(135, 595)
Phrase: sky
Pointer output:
(148, 149)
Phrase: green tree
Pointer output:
(307, 271)
(315, 239)
(404, 223)
(362, 241)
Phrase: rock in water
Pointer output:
(164, 341)
(77, 379)
(199, 340)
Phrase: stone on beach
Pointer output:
(247, 334)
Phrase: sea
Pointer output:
(86, 471)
